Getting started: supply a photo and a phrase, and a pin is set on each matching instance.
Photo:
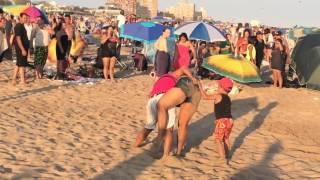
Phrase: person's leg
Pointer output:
(227, 147)
(15, 73)
(172, 98)
(274, 77)
(186, 112)
(142, 135)
(221, 148)
(106, 62)
(22, 75)
(111, 71)
(167, 143)
(280, 79)
(152, 114)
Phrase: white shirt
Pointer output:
(29, 30)
(121, 20)
(42, 38)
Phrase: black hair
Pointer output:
(164, 29)
(183, 35)
(203, 42)
(67, 16)
(251, 40)
(58, 27)
(1, 11)
(23, 14)
(247, 30)
(267, 31)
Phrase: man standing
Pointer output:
(3, 40)
(21, 44)
(259, 45)
(9, 33)
(69, 29)
(121, 20)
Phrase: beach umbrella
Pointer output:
(34, 13)
(201, 31)
(238, 69)
(146, 32)
(14, 9)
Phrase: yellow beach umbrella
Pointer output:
(15, 9)
(238, 69)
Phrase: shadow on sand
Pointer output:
(254, 124)
(262, 169)
(198, 131)
(33, 91)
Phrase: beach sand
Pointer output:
(55, 130)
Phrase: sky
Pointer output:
(271, 12)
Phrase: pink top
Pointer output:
(163, 85)
(183, 57)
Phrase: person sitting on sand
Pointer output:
(223, 122)
(185, 94)
(161, 86)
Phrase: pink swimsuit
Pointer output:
(183, 58)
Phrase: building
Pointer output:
(111, 10)
(204, 13)
(183, 10)
(129, 6)
(147, 8)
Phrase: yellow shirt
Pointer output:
(253, 52)
(161, 44)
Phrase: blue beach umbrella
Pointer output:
(201, 31)
(146, 32)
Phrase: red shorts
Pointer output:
(223, 128)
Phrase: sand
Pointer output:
(55, 130)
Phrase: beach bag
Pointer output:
(140, 62)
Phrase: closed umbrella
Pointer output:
(238, 69)
(201, 31)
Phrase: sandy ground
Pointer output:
(54, 130)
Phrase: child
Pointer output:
(224, 122)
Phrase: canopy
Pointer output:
(238, 69)
(306, 60)
(201, 31)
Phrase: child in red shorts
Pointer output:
(224, 122)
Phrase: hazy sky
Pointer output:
(272, 12)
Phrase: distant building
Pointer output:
(184, 10)
(129, 6)
(111, 10)
(147, 8)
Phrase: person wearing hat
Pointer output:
(222, 109)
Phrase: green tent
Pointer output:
(306, 61)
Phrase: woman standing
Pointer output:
(242, 43)
(162, 60)
(41, 38)
(278, 59)
(61, 50)
(182, 51)
(108, 51)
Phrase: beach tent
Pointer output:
(306, 61)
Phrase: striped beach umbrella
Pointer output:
(238, 69)
(201, 31)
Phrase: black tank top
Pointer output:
(223, 108)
